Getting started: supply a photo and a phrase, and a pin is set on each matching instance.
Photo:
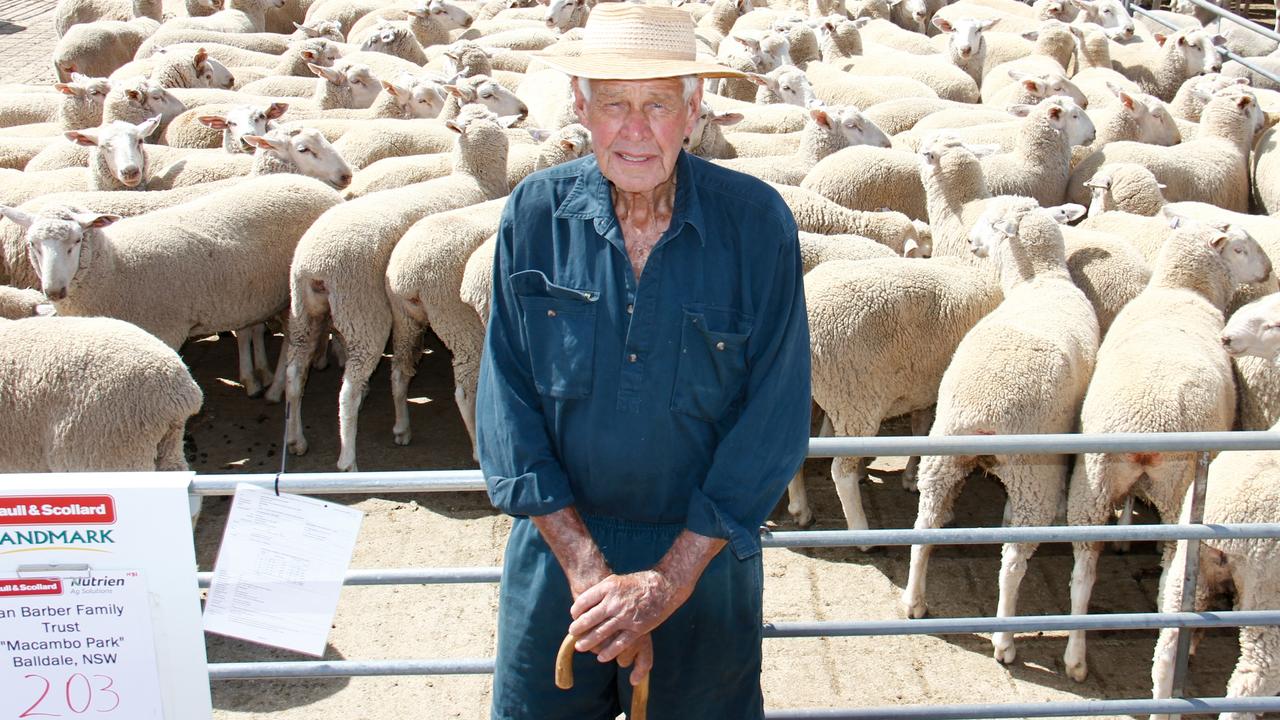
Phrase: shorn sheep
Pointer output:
(1022, 369)
(1146, 382)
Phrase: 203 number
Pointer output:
(79, 694)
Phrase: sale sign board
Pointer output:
(99, 607)
(78, 645)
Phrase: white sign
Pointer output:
(111, 525)
(78, 644)
(280, 569)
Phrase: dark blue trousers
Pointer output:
(706, 655)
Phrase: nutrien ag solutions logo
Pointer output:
(31, 511)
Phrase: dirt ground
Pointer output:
(236, 433)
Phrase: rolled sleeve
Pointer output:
(522, 471)
(765, 447)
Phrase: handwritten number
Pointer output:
(28, 712)
(87, 700)
(107, 689)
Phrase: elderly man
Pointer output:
(644, 396)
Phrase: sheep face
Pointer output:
(702, 126)
(119, 145)
(212, 74)
(481, 90)
(154, 99)
(1254, 329)
(319, 51)
(1197, 49)
(788, 83)
(1245, 259)
(243, 120)
(560, 13)
(1157, 126)
(775, 51)
(56, 244)
(358, 79)
(448, 15)
(86, 89)
(308, 151)
(1043, 85)
(1110, 14)
(850, 125)
(417, 97)
(965, 40)
(327, 29)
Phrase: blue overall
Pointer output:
(678, 401)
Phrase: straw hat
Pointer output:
(630, 41)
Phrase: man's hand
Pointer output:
(613, 615)
(641, 654)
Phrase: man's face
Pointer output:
(637, 128)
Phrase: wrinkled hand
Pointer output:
(641, 654)
(613, 615)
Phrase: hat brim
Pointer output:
(603, 66)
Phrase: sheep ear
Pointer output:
(569, 145)
(1160, 38)
(453, 126)
(261, 142)
(87, 137)
(1016, 74)
(1068, 212)
(1126, 99)
(507, 121)
(943, 24)
(538, 134)
(308, 55)
(860, 23)
(1244, 101)
(820, 115)
(328, 74)
(66, 88)
(911, 249)
(1218, 39)
(1033, 85)
(985, 24)
(455, 91)
(17, 215)
(758, 79)
(1055, 112)
(216, 122)
(133, 94)
(81, 77)
(1020, 110)
(1031, 35)
(276, 110)
(148, 126)
(726, 119)
(392, 89)
(94, 220)
(200, 56)
(1161, 186)
(1219, 242)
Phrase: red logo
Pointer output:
(57, 510)
(30, 586)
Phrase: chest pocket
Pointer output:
(713, 361)
(560, 332)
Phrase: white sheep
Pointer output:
(241, 120)
(190, 70)
(74, 12)
(1162, 70)
(816, 214)
(836, 87)
(424, 281)
(1040, 342)
(1212, 167)
(117, 159)
(212, 264)
(1263, 166)
(338, 271)
(831, 128)
(19, 303)
(302, 151)
(237, 16)
(91, 394)
(99, 48)
(77, 104)
(873, 319)
(1144, 383)
(428, 20)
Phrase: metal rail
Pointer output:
(1036, 709)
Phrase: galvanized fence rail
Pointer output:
(1201, 443)
(1221, 14)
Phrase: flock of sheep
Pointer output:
(1033, 218)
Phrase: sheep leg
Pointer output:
(320, 358)
(364, 335)
(1089, 503)
(467, 408)
(941, 478)
(406, 341)
(1126, 518)
(304, 334)
(921, 421)
(244, 342)
(261, 366)
(1034, 484)
(847, 472)
(275, 392)
(1165, 656)
(1257, 672)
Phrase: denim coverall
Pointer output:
(679, 401)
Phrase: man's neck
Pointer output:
(644, 217)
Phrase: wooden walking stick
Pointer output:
(564, 680)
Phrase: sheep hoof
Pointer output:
(910, 485)
(803, 519)
(1005, 651)
(298, 446)
(402, 437)
(914, 610)
(273, 395)
(347, 465)
(1078, 671)
(253, 388)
